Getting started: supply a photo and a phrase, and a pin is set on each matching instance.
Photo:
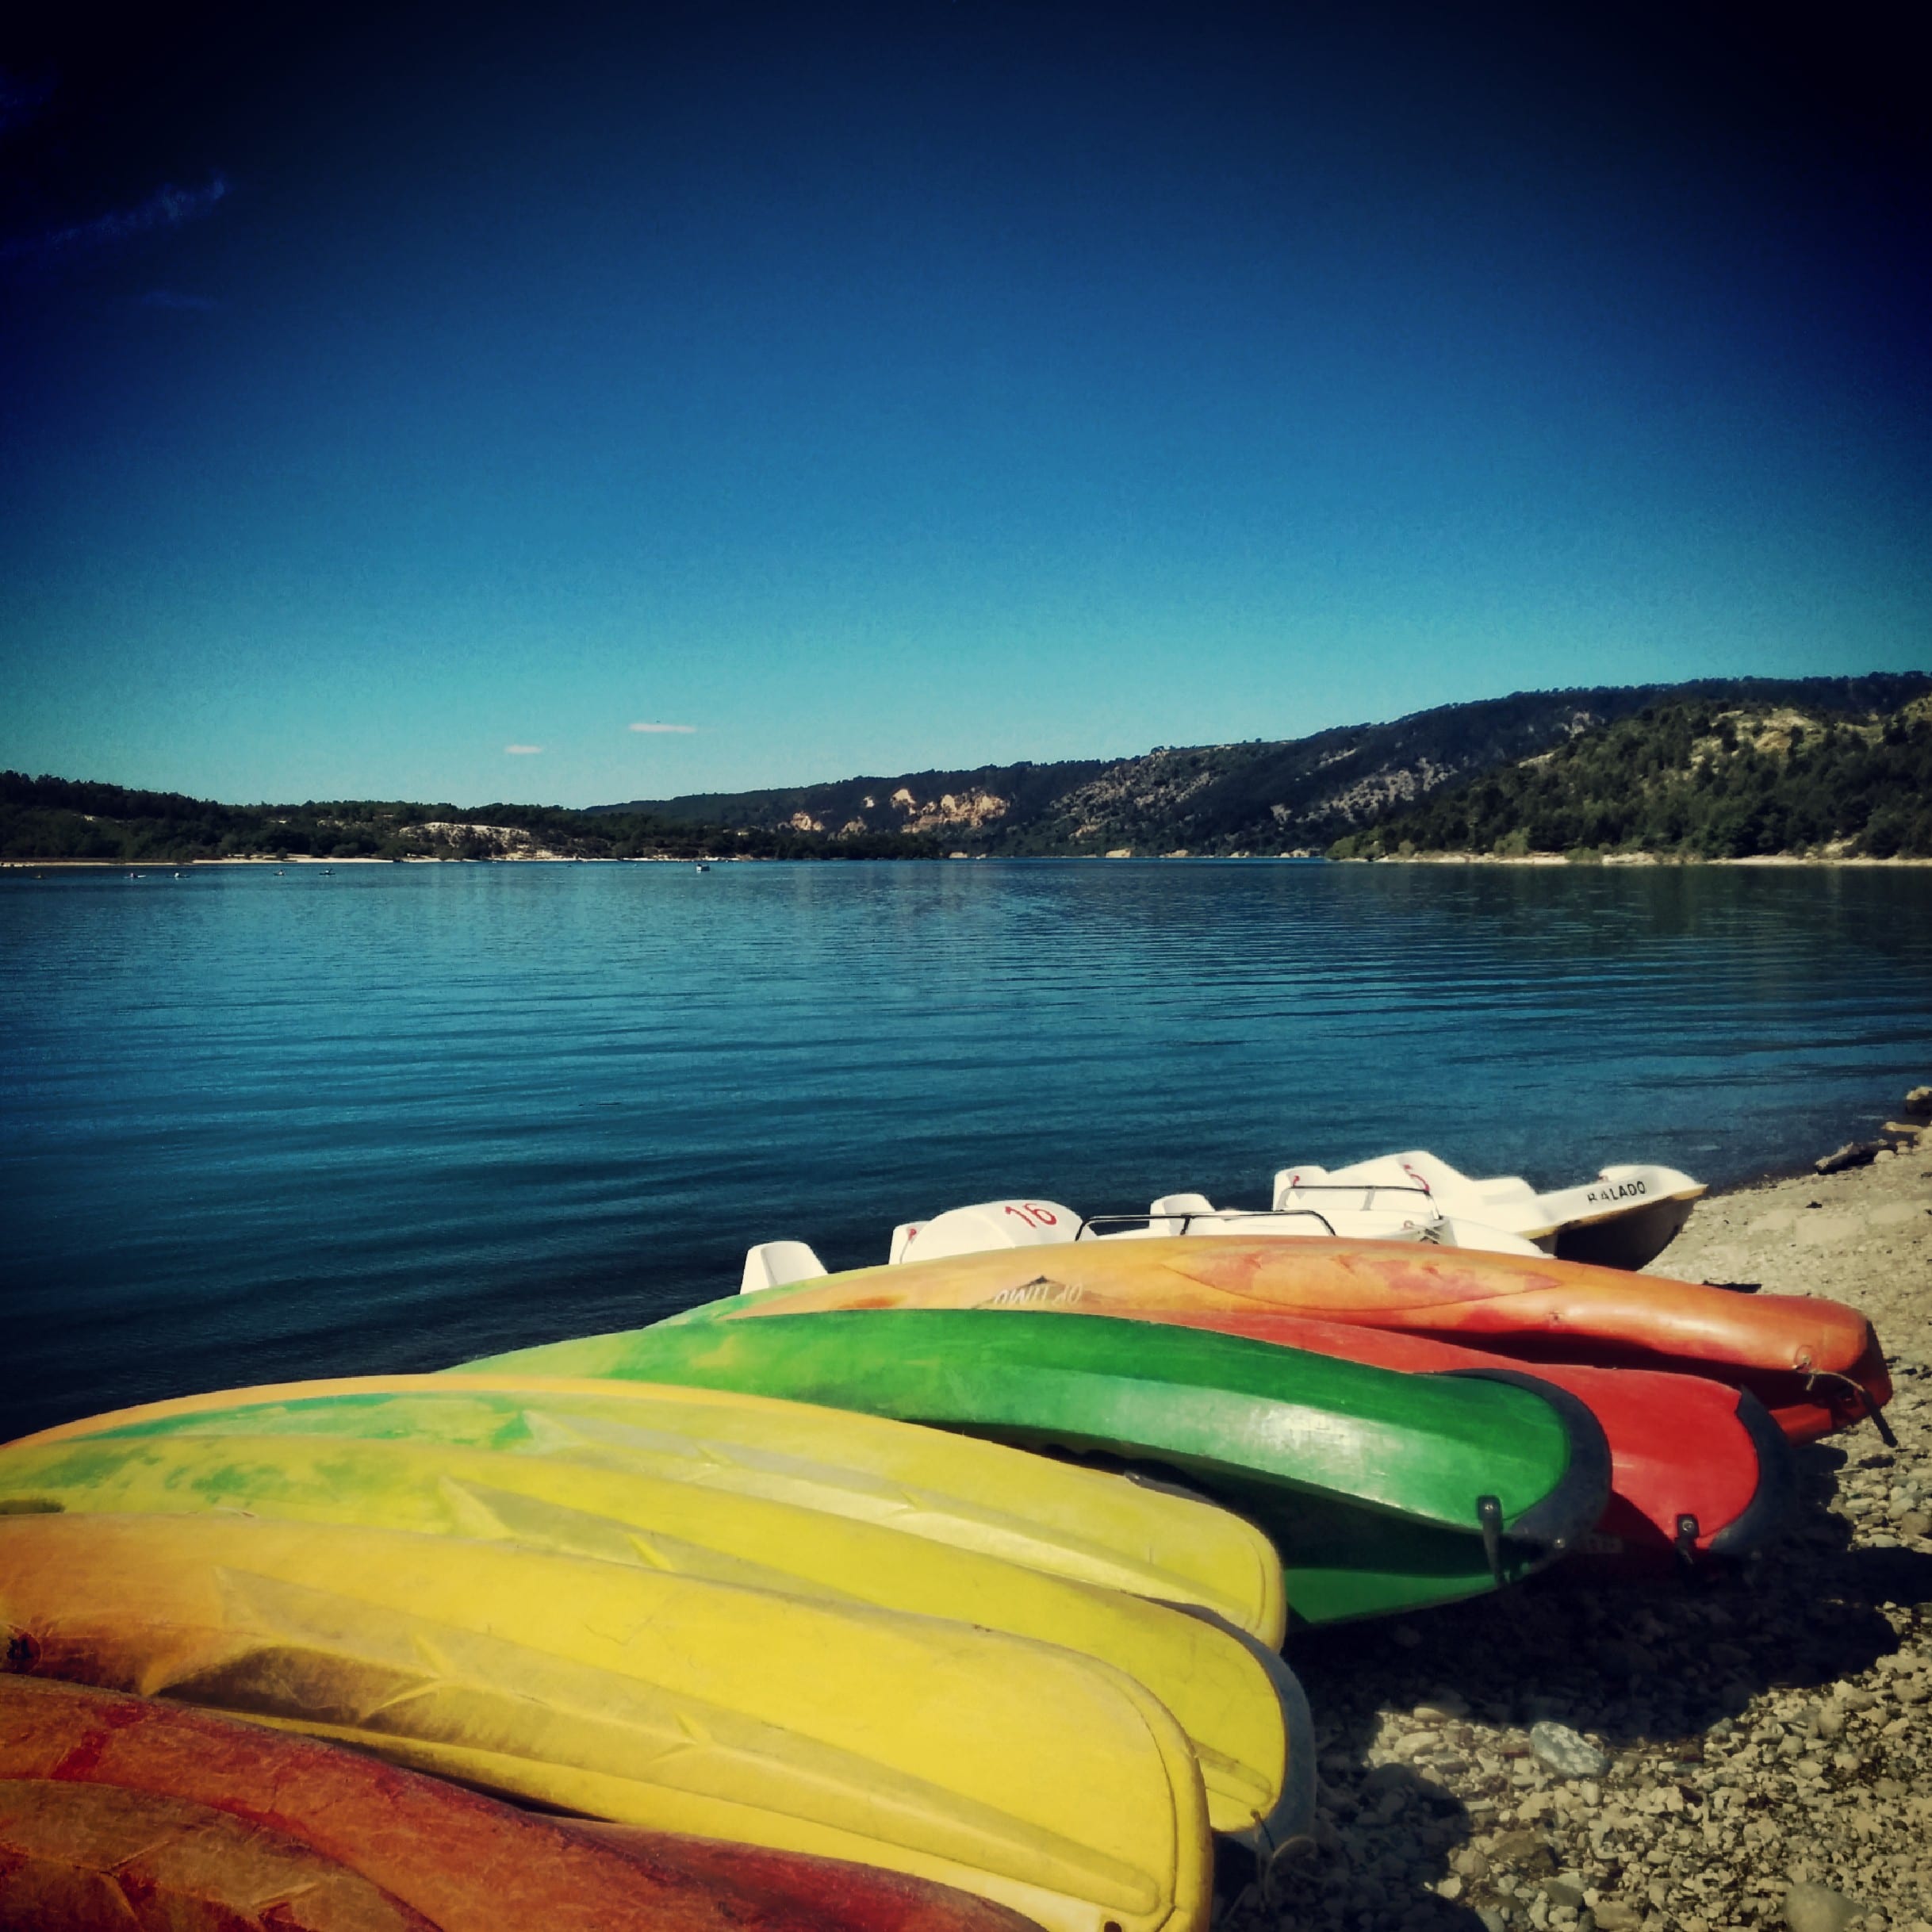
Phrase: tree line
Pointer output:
(55, 818)
(1689, 781)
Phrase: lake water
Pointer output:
(263, 1126)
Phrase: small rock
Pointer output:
(1493, 1920)
(1527, 1849)
(1614, 1916)
(1915, 1523)
(1817, 1908)
(1565, 1752)
(1472, 1861)
(1559, 1892)
(1919, 1103)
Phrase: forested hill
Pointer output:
(1262, 796)
(1696, 781)
(1581, 767)
(57, 818)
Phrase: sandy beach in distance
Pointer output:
(1767, 1737)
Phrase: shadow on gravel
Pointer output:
(1658, 1662)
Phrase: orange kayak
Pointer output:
(104, 1795)
(1814, 1364)
(79, 1857)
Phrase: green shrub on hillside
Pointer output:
(1682, 781)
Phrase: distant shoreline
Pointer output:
(309, 858)
(1628, 858)
(1781, 860)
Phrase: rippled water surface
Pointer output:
(260, 1126)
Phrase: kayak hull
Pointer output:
(971, 1495)
(1630, 1240)
(1237, 1703)
(463, 1862)
(1816, 1365)
(1697, 1468)
(1373, 1484)
(85, 1855)
(1019, 1772)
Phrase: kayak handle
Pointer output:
(1861, 1399)
(1489, 1515)
(1685, 1543)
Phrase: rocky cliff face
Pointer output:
(1263, 797)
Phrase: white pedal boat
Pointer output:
(1626, 1216)
(990, 1224)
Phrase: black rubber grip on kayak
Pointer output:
(1777, 1494)
(1293, 1820)
(1489, 1519)
(1571, 1509)
(1685, 1543)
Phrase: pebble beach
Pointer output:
(1719, 1753)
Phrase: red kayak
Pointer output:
(1816, 1365)
(128, 1812)
(1697, 1468)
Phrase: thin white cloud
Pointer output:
(522, 751)
(167, 207)
(654, 727)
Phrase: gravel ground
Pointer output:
(1758, 1745)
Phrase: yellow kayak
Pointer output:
(1017, 1770)
(1076, 1523)
(1242, 1712)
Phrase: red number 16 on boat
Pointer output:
(1032, 1213)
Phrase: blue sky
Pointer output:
(868, 388)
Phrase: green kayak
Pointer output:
(1384, 1492)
